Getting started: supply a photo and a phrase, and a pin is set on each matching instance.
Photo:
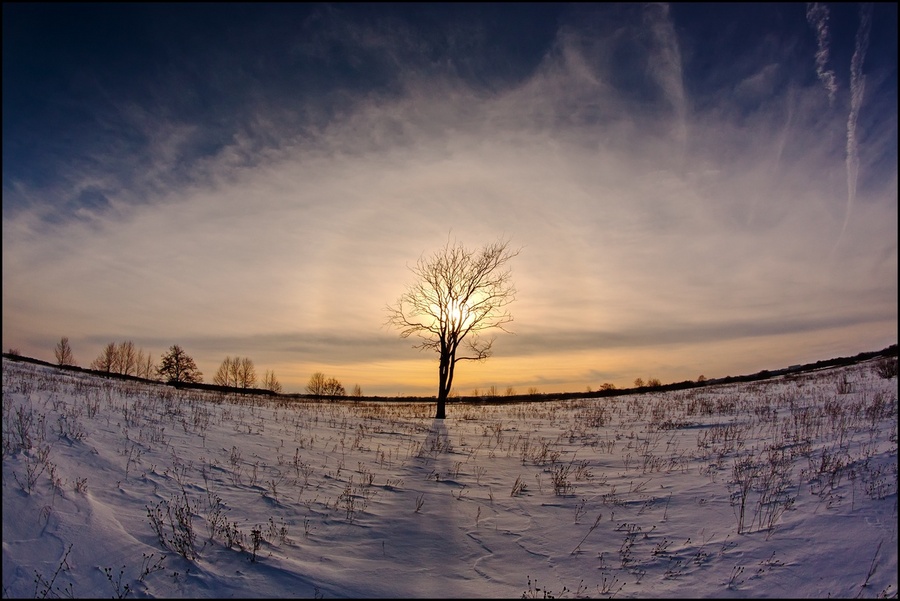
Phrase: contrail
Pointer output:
(857, 87)
(817, 17)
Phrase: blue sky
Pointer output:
(695, 188)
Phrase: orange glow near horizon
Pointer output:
(578, 371)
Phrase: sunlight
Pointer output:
(459, 314)
(456, 315)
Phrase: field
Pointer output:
(779, 488)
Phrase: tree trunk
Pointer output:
(443, 385)
(441, 406)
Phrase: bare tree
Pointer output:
(127, 354)
(122, 358)
(108, 359)
(238, 372)
(270, 382)
(316, 384)
(63, 352)
(145, 367)
(458, 293)
(246, 373)
(334, 388)
(224, 375)
(320, 385)
(177, 366)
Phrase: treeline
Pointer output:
(175, 366)
(124, 361)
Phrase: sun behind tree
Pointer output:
(458, 294)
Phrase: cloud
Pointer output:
(649, 209)
(817, 15)
(857, 91)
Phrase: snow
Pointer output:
(626, 496)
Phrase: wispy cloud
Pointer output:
(817, 15)
(653, 199)
(857, 92)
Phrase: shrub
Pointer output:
(886, 367)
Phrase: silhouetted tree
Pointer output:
(458, 293)
(238, 372)
(127, 358)
(320, 385)
(334, 388)
(108, 359)
(246, 373)
(123, 358)
(316, 384)
(145, 367)
(226, 375)
(270, 382)
(177, 366)
(63, 352)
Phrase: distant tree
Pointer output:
(270, 382)
(63, 352)
(14, 351)
(108, 359)
(458, 294)
(654, 383)
(226, 375)
(532, 390)
(238, 372)
(246, 373)
(701, 379)
(638, 382)
(316, 384)
(510, 391)
(357, 391)
(177, 366)
(145, 366)
(122, 358)
(334, 388)
(607, 386)
(127, 358)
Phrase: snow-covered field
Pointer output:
(779, 488)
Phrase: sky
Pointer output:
(694, 189)
(633, 496)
